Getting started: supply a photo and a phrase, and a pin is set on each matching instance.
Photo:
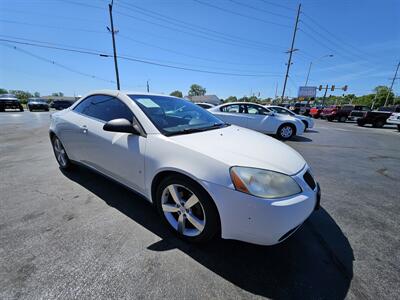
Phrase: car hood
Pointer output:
(237, 146)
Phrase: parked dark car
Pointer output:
(378, 117)
(61, 104)
(358, 112)
(37, 104)
(10, 101)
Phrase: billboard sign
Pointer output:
(307, 92)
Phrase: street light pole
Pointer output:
(309, 68)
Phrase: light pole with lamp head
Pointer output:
(309, 68)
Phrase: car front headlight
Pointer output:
(263, 183)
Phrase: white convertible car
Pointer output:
(205, 177)
(259, 118)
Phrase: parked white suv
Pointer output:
(259, 118)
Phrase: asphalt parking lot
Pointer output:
(79, 235)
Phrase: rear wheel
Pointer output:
(286, 131)
(330, 119)
(60, 153)
(398, 127)
(187, 209)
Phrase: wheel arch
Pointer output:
(169, 172)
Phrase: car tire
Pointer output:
(360, 122)
(342, 119)
(286, 131)
(378, 124)
(398, 127)
(21, 108)
(29, 109)
(196, 223)
(330, 119)
(60, 153)
(305, 124)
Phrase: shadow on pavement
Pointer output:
(316, 262)
(300, 139)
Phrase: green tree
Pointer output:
(177, 94)
(231, 99)
(59, 94)
(3, 91)
(381, 94)
(36, 94)
(197, 90)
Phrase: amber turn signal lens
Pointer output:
(238, 183)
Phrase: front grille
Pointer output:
(309, 179)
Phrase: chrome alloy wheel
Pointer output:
(286, 131)
(60, 153)
(183, 210)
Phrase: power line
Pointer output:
(58, 64)
(50, 26)
(259, 9)
(65, 47)
(197, 28)
(239, 14)
(142, 60)
(278, 5)
(319, 26)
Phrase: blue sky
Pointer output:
(246, 37)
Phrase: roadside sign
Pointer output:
(307, 92)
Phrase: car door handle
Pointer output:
(84, 129)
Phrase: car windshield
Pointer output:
(173, 116)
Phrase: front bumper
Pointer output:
(262, 221)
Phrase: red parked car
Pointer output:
(329, 112)
(315, 111)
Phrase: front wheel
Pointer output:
(285, 131)
(342, 119)
(60, 153)
(187, 209)
(378, 124)
(330, 119)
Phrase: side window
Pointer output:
(256, 110)
(233, 108)
(104, 108)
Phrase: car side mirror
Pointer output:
(122, 125)
(271, 113)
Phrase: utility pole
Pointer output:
(291, 52)
(391, 86)
(276, 91)
(110, 6)
(148, 86)
(326, 90)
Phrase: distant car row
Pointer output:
(9, 101)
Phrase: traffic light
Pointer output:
(345, 88)
(333, 87)
(320, 88)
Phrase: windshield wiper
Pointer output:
(199, 129)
